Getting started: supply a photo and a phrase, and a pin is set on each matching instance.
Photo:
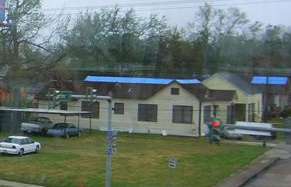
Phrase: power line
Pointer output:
(143, 4)
(80, 10)
(167, 3)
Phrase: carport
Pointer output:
(64, 113)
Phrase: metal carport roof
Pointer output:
(45, 111)
(64, 113)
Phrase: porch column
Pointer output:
(247, 112)
(247, 108)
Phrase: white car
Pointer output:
(19, 145)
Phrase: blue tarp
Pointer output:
(270, 80)
(137, 80)
(188, 81)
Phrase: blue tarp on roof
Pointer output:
(137, 80)
(188, 81)
(270, 80)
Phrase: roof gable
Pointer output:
(235, 80)
(128, 91)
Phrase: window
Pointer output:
(29, 141)
(91, 107)
(26, 141)
(175, 91)
(64, 105)
(60, 126)
(119, 108)
(207, 114)
(147, 112)
(182, 114)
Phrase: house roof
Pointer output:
(221, 95)
(128, 91)
(238, 81)
(269, 80)
(137, 80)
(143, 90)
(204, 94)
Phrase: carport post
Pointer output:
(90, 123)
(108, 178)
(78, 122)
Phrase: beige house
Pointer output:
(249, 103)
(172, 109)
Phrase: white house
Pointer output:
(175, 107)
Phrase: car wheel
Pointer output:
(36, 149)
(20, 153)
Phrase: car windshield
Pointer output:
(60, 126)
(13, 140)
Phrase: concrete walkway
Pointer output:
(5, 183)
(263, 163)
(276, 176)
(279, 174)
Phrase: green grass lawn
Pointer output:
(141, 160)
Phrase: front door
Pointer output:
(240, 112)
(230, 114)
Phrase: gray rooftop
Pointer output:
(239, 82)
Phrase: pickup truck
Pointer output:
(39, 125)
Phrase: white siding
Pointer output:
(128, 120)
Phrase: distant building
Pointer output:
(275, 90)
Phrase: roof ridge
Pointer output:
(138, 80)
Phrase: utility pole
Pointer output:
(92, 95)
(108, 181)
(110, 137)
(110, 140)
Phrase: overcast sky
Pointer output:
(180, 12)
